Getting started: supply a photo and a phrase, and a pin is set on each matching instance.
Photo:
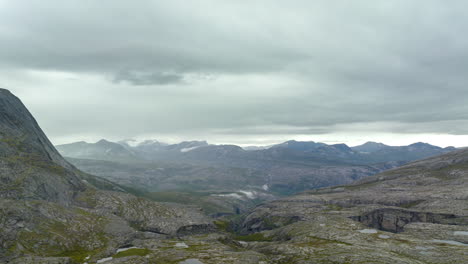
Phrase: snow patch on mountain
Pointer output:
(188, 149)
(232, 195)
(241, 195)
(250, 195)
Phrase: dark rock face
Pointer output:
(195, 230)
(394, 220)
(257, 224)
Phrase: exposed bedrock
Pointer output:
(394, 220)
(195, 229)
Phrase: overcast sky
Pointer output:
(238, 71)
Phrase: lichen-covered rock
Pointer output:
(149, 216)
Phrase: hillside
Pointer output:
(31, 168)
(49, 211)
(414, 214)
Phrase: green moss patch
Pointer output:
(333, 207)
(76, 234)
(222, 225)
(410, 204)
(132, 252)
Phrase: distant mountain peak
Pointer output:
(292, 141)
(342, 147)
(101, 150)
(370, 146)
(420, 144)
(133, 143)
(299, 145)
(373, 143)
(103, 141)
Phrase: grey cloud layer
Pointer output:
(242, 67)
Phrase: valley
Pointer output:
(217, 177)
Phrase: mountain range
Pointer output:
(284, 168)
(201, 151)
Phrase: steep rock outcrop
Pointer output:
(30, 166)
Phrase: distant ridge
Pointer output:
(292, 149)
(285, 168)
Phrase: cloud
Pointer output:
(237, 69)
(147, 78)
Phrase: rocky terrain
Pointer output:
(414, 214)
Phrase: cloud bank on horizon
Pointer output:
(253, 72)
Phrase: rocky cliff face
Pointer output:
(30, 166)
(17, 122)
